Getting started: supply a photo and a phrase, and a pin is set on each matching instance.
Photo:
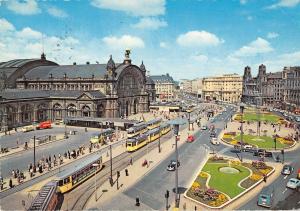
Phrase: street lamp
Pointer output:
(95, 165)
(176, 123)
(275, 142)
(242, 107)
(189, 112)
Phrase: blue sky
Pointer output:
(185, 38)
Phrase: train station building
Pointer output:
(38, 89)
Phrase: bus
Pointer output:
(47, 198)
(154, 123)
(165, 128)
(137, 129)
(44, 125)
(153, 134)
(136, 143)
(100, 137)
(71, 178)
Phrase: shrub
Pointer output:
(203, 174)
(265, 171)
(234, 142)
(195, 185)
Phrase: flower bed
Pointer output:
(210, 189)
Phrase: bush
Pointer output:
(203, 174)
(195, 185)
(256, 177)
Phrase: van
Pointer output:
(215, 141)
(266, 197)
(28, 128)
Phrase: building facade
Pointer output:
(197, 87)
(226, 88)
(279, 89)
(165, 87)
(186, 86)
(52, 91)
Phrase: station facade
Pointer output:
(38, 89)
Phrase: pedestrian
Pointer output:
(10, 183)
(126, 172)
(265, 178)
(130, 161)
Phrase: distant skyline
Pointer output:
(185, 38)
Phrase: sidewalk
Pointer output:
(136, 171)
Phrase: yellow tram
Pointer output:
(137, 129)
(154, 123)
(136, 143)
(71, 178)
(101, 136)
(153, 134)
(165, 128)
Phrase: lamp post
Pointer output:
(95, 165)
(189, 112)
(34, 164)
(159, 149)
(275, 142)
(242, 107)
(176, 123)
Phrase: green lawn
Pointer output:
(249, 116)
(264, 142)
(226, 183)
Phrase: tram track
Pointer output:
(81, 194)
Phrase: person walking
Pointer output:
(10, 183)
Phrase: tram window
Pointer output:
(60, 183)
(73, 177)
(66, 180)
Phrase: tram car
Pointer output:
(133, 144)
(73, 177)
(100, 137)
(165, 128)
(153, 134)
(154, 123)
(137, 129)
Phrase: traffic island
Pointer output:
(223, 180)
(262, 142)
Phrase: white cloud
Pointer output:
(280, 61)
(198, 39)
(150, 23)
(124, 42)
(258, 46)
(28, 7)
(29, 33)
(243, 1)
(163, 45)
(56, 12)
(272, 35)
(5, 25)
(200, 58)
(133, 7)
(284, 3)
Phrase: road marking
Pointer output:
(284, 191)
(285, 176)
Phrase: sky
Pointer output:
(185, 38)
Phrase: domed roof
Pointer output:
(142, 67)
(110, 64)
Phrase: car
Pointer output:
(298, 174)
(247, 148)
(190, 139)
(262, 152)
(214, 141)
(266, 197)
(212, 135)
(293, 183)
(287, 170)
(204, 127)
(172, 165)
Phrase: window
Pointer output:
(60, 183)
(66, 180)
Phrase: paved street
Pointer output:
(151, 188)
(22, 160)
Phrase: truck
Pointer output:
(44, 125)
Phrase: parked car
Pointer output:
(190, 139)
(266, 197)
(172, 165)
(214, 141)
(44, 125)
(293, 183)
(247, 148)
(27, 128)
(262, 152)
(287, 170)
(213, 134)
(204, 127)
